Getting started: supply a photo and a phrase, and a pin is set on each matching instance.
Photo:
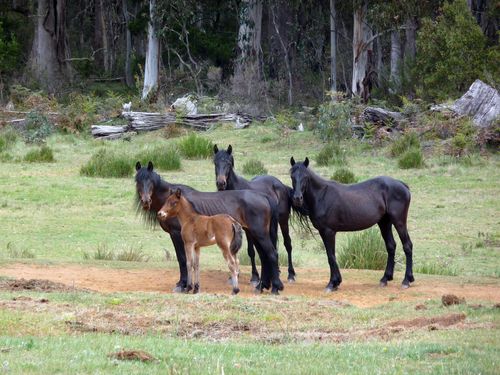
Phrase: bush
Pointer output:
(364, 250)
(404, 143)
(344, 175)
(331, 153)
(254, 168)
(8, 137)
(105, 163)
(165, 158)
(38, 128)
(451, 52)
(43, 154)
(463, 141)
(196, 147)
(334, 121)
(412, 158)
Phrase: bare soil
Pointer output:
(358, 288)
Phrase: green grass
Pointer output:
(404, 143)
(412, 158)
(8, 137)
(163, 157)
(105, 163)
(130, 254)
(254, 168)
(331, 154)
(435, 268)
(344, 176)
(43, 154)
(195, 146)
(364, 250)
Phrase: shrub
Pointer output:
(42, 154)
(412, 158)
(331, 153)
(38, 128)
(105, 163)
(196, 147)
(463, 141)
(344, 175)
(364, 250)
(334, 121)
(254, 168)
(165, 158)
(404, 143)
(8, 137)
(132, 255)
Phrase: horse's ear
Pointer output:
(150, 166)
(178, 193)
(229, 149)
(306, 162)
(138, 166)
(216, 149)
(292, 161)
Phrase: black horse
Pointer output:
(257, 214)
(227, 179)
(334, 207)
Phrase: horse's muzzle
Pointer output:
(161, 215)
(146, 204)
(298, 201)
(221, 185)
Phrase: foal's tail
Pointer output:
(237, 238)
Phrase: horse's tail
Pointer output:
(273, 227)
(237, 238)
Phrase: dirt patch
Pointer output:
(132, 355)
(443, 321)
(359, 288)
(35, 285)
(451, 299)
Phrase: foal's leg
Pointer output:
(232, 263)
(285, 231)
(385, 226)
(408, 249)
(189, 264)
(328, 237)
(196, 266)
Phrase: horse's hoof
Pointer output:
(405, 285)
(275, 292)
(330, 289)
(254, 283)
(178, 289)
(291, 279)
(383, 284)
(236, 291)
(258, 291)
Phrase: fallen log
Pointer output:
(381, 116)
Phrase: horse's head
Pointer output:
(145, 182)
(300, 179)
(224, 163)
(171, 206)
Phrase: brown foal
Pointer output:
(199, 231)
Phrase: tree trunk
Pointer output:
(249, 37)
(152, 56)
(333, 47)
(395, 77)
(48, 60)
(411, 39)
(285, 57)
(128, 46)
(379, 65)
(362, 48)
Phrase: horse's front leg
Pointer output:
(180, 254)
(196, 267)
(328, 237)
(254, 280)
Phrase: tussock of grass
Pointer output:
(105, 163)
(254, 168)
(330, 154)
(164, 158)
(8, 137)
(14, 252)
(364, 250)
(435, 269)
(42, 154)
(412, 158)
(344, 175)
(131, 254)
(405, 143)
(195, 147)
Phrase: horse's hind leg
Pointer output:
(285, 231)
(385, 226)
(233, 265)
(189, 264)
(408, 249)
(196, 267)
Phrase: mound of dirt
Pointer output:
(443, 321)
(451, 299)
(35, 285)
(132, 355)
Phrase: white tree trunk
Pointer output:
(48, 63)
(396, 57)
(152, 56)
(128, 46)
(362, 47)
(333, 47)
(411, 39)
(249, 37)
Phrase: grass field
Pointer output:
(53, 217)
